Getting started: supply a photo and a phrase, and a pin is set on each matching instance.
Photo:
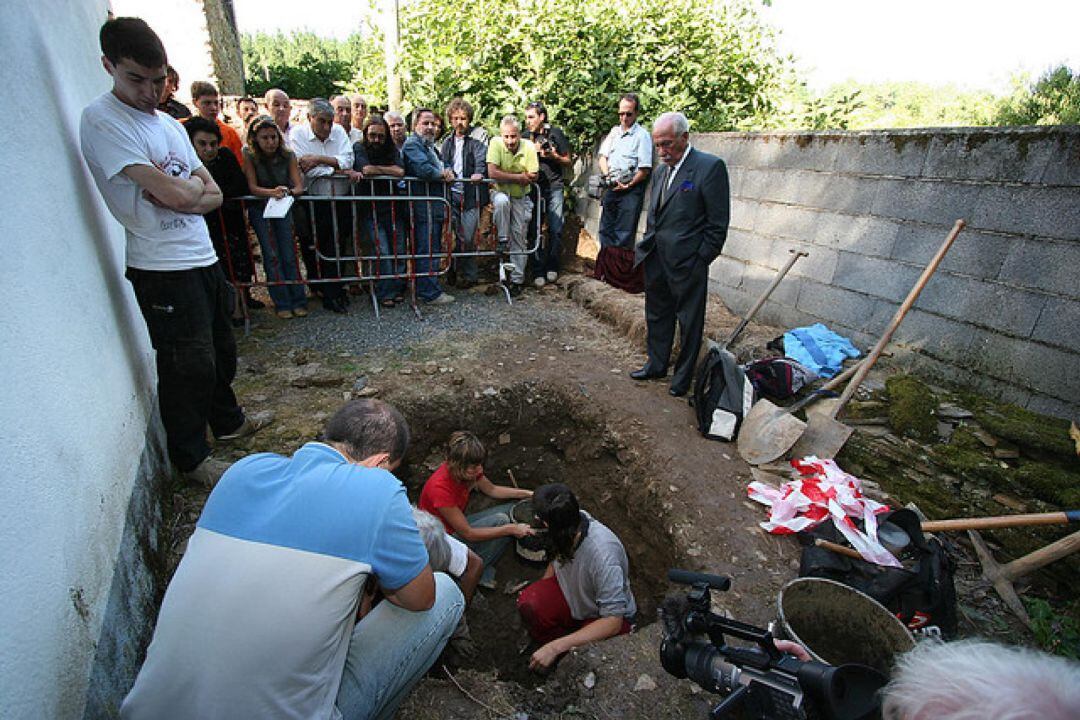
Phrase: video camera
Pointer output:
(760, 681)
(599, 183)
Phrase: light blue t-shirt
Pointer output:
(260, 611)
(627, 149)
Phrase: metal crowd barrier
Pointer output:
(351, 253)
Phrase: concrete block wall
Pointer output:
(1002, 313)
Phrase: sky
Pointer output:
(976, 44)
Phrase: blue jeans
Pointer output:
(392, 648)
(547, 257)
(279, 258)
(427, 238)
(384, 231)
(490, 550)
(464, 223)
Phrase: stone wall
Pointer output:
(1002, 313)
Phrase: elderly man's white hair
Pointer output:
(433, 534)
(393, 115)
(679, 124)
(980, 680)
(510, 121)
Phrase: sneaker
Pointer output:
(207, 473)
(284, 314)
(516, 289)
(443, 299)
(538, 282)
(299, 312)
(552, 277)
(247, 428)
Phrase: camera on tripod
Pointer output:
(599, 183)
(759, 681)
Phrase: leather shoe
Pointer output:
(676, 392)
(646, 374)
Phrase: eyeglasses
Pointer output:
(628, 112)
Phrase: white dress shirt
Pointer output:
(304, 142)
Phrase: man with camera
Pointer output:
(553, 150)
(625, 162)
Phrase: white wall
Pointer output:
(181, 25)
(78, 387)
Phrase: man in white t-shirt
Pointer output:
(154, 184)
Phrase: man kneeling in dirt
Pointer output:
(585, 594)
(259, 619)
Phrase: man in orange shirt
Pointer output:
(207, 103)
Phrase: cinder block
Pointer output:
(743, 213)
(843, 193)
(972, 253)
(742, 245)
(757, 278)
(893, 153)
(880, 278)
(1061, 167)
(806, 151)
(835, 305)
(937, 336)
(1044, 369)
(1043, 264)
(935, 202)
(989, 304)
(867, 235)
(966, 155)
(727, 271)
(1059, 325)
(819, 265)
(786, 221)
(1029, 210)
(755, 182)
(1055, 407)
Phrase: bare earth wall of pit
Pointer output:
(1002, 313)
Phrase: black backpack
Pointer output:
(722, 395)
(920, 596)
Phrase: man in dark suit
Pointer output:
(689, 208)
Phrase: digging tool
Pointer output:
(825, 435)
(1002, 521)
(795, 255)
(768, 430)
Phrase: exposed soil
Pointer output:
(554, 405)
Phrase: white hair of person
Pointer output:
(433, 534)
(979, 680)
(510, 121)
(393, 115)
(679, 124)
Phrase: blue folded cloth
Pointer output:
(819, 349)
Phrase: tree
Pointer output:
(1053, 99)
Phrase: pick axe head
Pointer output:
(767, 433)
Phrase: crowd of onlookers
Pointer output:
(446, 169)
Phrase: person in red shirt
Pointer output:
(446, 494)
(207, 101)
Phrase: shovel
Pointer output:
(768, 430)
(825, 435)
(795, 255)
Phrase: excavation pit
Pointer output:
(541, 435)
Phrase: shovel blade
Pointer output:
(824, 437)
(767, 433)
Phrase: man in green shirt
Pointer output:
(513, 165)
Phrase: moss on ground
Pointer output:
(1027, 429)
(911, 407)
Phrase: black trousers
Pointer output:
(620, 214)
(332, 241)
(188, 314)
(666, 302)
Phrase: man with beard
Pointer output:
(383, 222)
(422, 161)
(513, 164)
(467, 157)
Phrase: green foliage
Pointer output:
(1059, 634)
(1053, 99)
(712, 60)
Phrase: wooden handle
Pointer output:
(511, 474)
(795, 255)
(900, 313)
(1043, 556)
(831, 385)
(1002, 521)
(839, 549)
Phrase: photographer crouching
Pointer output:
(553, 150)
(625, 160)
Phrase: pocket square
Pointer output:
(686, 186)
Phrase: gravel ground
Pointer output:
(398, 328)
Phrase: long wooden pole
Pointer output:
(1002, 521)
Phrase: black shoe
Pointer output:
(336, 305)
(254, 304)
(646, 374)
(676, 392)
(516, 290)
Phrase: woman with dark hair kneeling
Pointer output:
(585, 594)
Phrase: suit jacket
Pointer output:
(690, 225)
(474, 160)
